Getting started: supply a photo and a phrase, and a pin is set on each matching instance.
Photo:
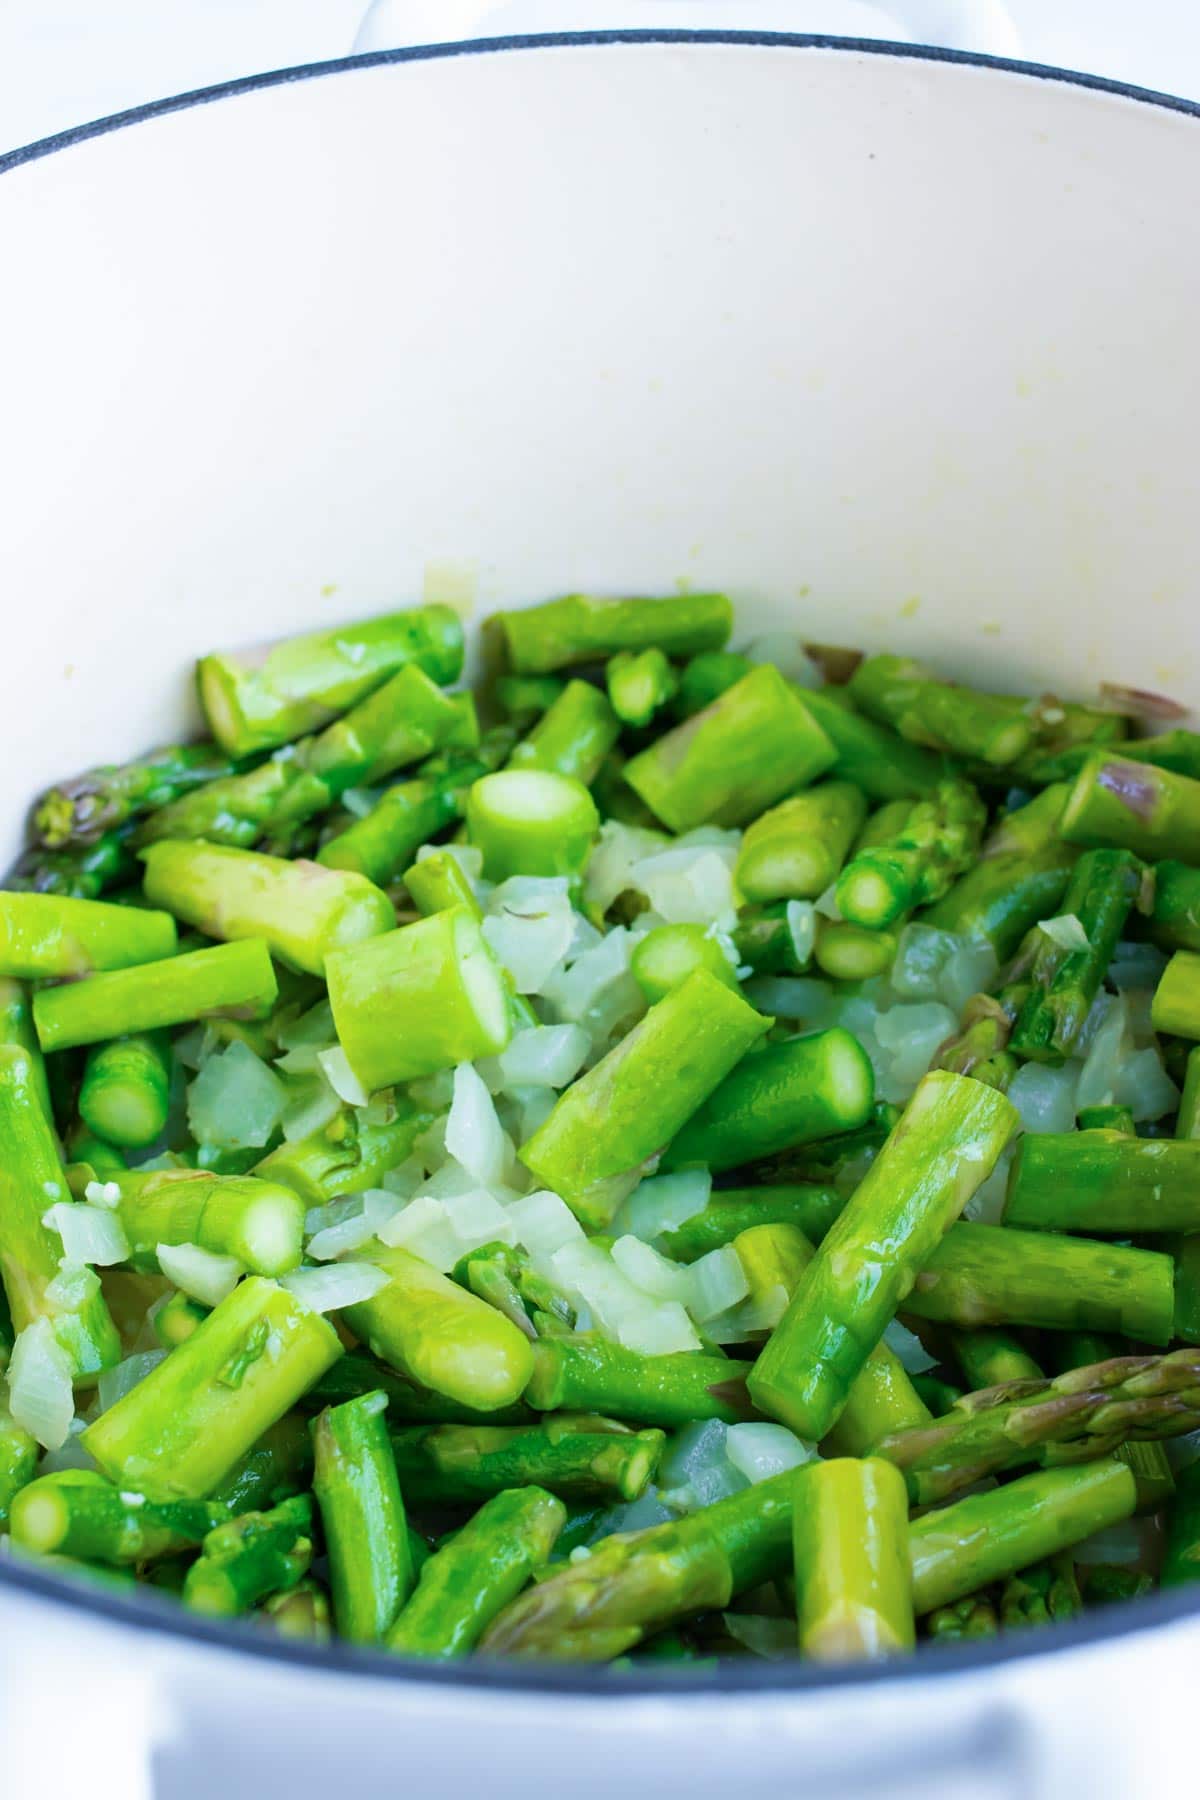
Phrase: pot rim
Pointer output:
(150, 1611)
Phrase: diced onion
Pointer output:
(1066, 930)
(543, 1056)
(760, 1451)
(716, 1282)
(909, 1036)
(477, 1218)
(236, 1101)
(1108, 1048)
(663, 1203)
(315, 1027)
(336, 1285)
(405, 1179)
(90, 1234)
(690, 885)
(801, 917)
(921, 954)
(530, 928)
(40, 1392)
(114, 1384)
(348, 1224)
(309, 1105)
(908, 1347)
(474, 1135)
(1045, 1097)
(986, 1205)
(544, 1223)
(610, 867)
(1143, 1085)
(200, 1273)
(423, 1229)
(341, 1077)
(597, 990)
(620, 1310)
(72, 1287)
(762, 1634)
(696, 1470)
(103, 1193)
(655, 1275)
(1136, 968)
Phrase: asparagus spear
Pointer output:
(354, 1375)
(1104, 1181)
(181, 1431)
(797, 849)
(1107, 1118)
(945, 1145)
(528, 821)
(258, 699)
(1020, 877)
(764, 937)
(1064, 983)
(1175, 918)
(993, 1275)
(436, 882)
(884, 766)
(232, 980)
(734, 1210)
(728, 763)
(848, 952)
(576, 1456)
(79, 1513)
(302, 1613)
(937, 1395)
(667, 955)
(613, 1120)
(526, 697)
(1132, 806)
(248, 1558)
(1181, 1560)
(418, 999)
(572, 737)
(261, 1223)
(705, 677)
(965, 1621)
(405, 817)
(635, 1584)
(17, 1029)
(1104, 1583)
(1074, 1417)
(990, 1356)
(46, 936)
(358, 1493)
(177, 1318)
(299, 909)
(640, 683)
(463, 1588)
(937, 842)
(440, 1336)
(19, 1454)
(278, 1465)
(583, 629)
(32, 1179)
(585, 1372)
(853, 1580)
(82, 873)
(987, 1537)
(126, 1089)
(1176, 1006)
(345, 1157)
(838, 1160)
(781, 1096)
(1042, 1595)
(85, 809)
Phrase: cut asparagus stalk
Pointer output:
(437, 882)
(345, 1157)
(419, 999)
(740, 755)
(526, 697)
(530, 822)
(640, 684)
(45, 936)
(355, 1375)
(20, 1453)
(734, 1210)
(261, 1223)
(366, 1534)
(302, 1613)
(405, 817)
(997, 1275)
(83, 872)
(576, 1456)
(1064, 983)
(278, 1465)
(778, 1098)
(231, 981)
(884, 766)
(1176, 1006)
(1020, 878)
(32, 1179)
(1181, 1560)
(938, 841)
(614, 1119)
(848, 952)
(126, 1090)
(258, 699)
(666, 956)
(186, 1425)
(301, 911)
(573, 736)
(583, 629)
(587, 1373)
(463, 1588)
(177, 1318)
(705, 678)
(79, 1513)
(1175, 919)
(1104, 1181)
(853, 1576)
(85, 809)
(765, 939)
(797, 849)
(249, 1558)
(17, 1029)
(1122, 805)
(990, 1356)
(946, 1144)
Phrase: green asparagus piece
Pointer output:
(526, 697)
(82, 873)
(274, 800)
(125, 1091)
(278, 1465)
(529, 821)
(181, 1431)
(261, 1223)
(19, 1454)
(177, 1318)
(301, 911)
(79, 1513)
(766, 939)
(17, 1029)
(506, 1278)
(779, 1097)
(1178, 750)
(937, 1395)
(1152, 1472)
(1105, 1583)
(573, 736)
(640, 683)
(945, 1145)
(232, 981)
(91, 1157)
(1069, 1350)
(248, 1558)
(463, 1588)
(1107, 1118)
(797, 849)
(1175, 918)
(436, 882)
(987, 1537)
(1042, 1595)
(853, 1580)
(997, 1275)
(884, 766)
(32, 1179)
(613, 1120)
(705, 677)
(1020, 877)
(440, 1336)
(994, 729)
(418, 999)
(583, 629)
(406, 816)
(85, 809)
(839, 1160)
(938, 841)
(1074, 1417)
(1176, 1006)
(302, 1613)
(1104, 1181)
(990, 1356)
(727, 764)
(1064, 983)
(734, 1210)
(847, 952)
(576, 1456)
(1067, 736)
(257, 699)
(1133, 806)
(362, 1511)
(966, 1621)
(354, 1375)
(345, 1157)
(1181, 1559)
(585, 1372)
(638, 1583)
(44, 936)
(666, 956)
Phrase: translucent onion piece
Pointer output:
(40, 1392)
(336, 1285)
(200, 1273)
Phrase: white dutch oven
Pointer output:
(898, 347)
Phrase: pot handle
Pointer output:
(979, 25)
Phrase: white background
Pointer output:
(65, 61)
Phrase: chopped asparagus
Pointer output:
(853, 1579)
(582, 629)
(366, 1533)
(230, 981)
